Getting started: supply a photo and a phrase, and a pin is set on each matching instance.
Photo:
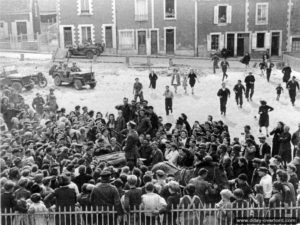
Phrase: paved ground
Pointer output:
(115, 81)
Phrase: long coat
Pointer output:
(177, 77)
(275, 146)
(285, 146)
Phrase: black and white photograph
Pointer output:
(150, 112)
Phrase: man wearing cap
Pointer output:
(264, 148)
(75, 68)
(266, 183)
(132, 140)
(138, 90)
(249, 80)
(105, 194)
(292, 86)
(38, 103)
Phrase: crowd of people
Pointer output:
(51, 160)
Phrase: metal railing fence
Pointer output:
(191, 215)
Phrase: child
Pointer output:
(224, 215)
(279, 89)
(184, 83)
(38, 207)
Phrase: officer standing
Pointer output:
(292, 86)
(38, 104)
(239, 89)
(249, 80)
(223, 94)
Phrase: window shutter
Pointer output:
(254, 40)
(208, 42)
(267, 40)
(221, 41)
(229, 13)
(216, 14)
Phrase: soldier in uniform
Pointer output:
(75, 68)
(38, 104)
(51, 101)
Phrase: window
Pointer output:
(85, 6)
(222, 14)
(296, 44)
(214, 42)
(86, 35)
(126, 40)
(141, 10)
(260, 42)
(170, 9)
(262, 13)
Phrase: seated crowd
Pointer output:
(51, 159)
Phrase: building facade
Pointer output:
(181, 27)
(19, 19)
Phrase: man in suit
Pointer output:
(264, 147)
(239, 89)
(249, 80)
(223, 94)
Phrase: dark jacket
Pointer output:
(223, 94)
(81, 179)
(65, 197)
(105, 194)
(144, 125)
(126, 111)
(238, 89)
(264, 149)
(133, 199)
(285, 146)
(249, 80)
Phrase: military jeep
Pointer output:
(87, 50)
(77, 79)
(9, 76)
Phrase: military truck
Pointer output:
(11, 77)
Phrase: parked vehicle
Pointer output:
(39, 79)
(87, 50)
(77, 79)
(10, 76)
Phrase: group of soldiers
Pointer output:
(66, 69)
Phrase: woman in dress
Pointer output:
(263, 111)
(111, 125)
(192, 79)
(277, 131)
(285, 148)
(175, 82)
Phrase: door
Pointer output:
(142, 42)
(170, 41)
(68, 39)
(22, 30)
(240, 46)
(230, 45)
(108, 37)
(154, 45)
(275, 43)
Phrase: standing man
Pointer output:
(38, 104)
(192, 79)
(215, 60)
(51, 101)
(292, 86)
(239, 89)
(269, 66)
(224, 66)
(168, 100)
(152, 77)
(296, 139)
(126, 109)
(286, 74)
(138, 90)
(132, 140)
(175, 81)
(249, 80)
(264, 148)
(223, 94)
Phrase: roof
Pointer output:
(47, 7)
(14, 6)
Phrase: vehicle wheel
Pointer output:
(43, 82)
(78, 84)
(98, 53)
(17, 86)
(57, 80)
(28, 88)
(89, 54)
(92, 86)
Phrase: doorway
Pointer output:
(230, 45)
(154, 44)
(142, 43)
(22, 31)
(242, 44)
(170, 41)
(68, 39)
(275, 43)
(108, 37)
